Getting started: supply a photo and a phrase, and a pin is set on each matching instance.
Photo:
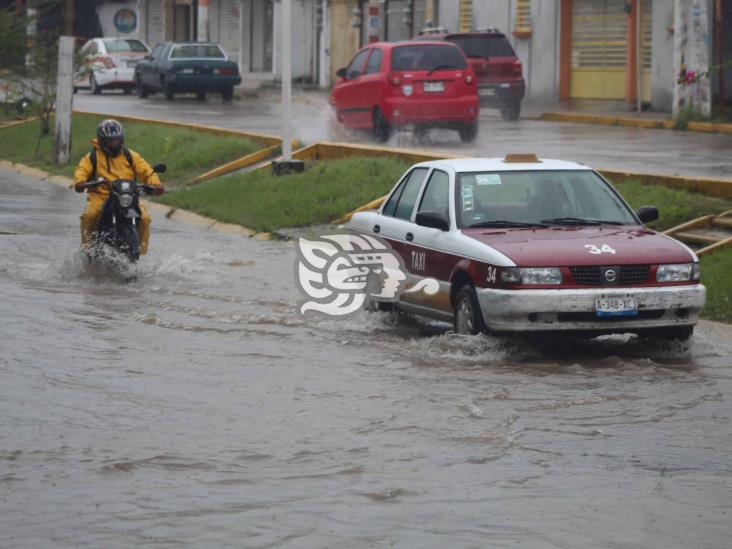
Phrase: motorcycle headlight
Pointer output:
(541, 275)
(677, 272)
(125, 200)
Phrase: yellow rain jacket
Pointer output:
(113, 168)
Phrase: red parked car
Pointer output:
(408, 85)
(500, 74)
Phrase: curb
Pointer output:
(648, 123)
(170, 212)
(14, 123)
(265, 139)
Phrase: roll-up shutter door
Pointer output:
(598, 49)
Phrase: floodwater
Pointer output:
(195, 407)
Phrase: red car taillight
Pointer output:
(517, 68)
(469, 79)
(395, 78)
(226, 72)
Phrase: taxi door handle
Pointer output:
(377, 229)
(410, 237)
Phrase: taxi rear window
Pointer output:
(427, 57)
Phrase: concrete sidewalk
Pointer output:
(615, 113)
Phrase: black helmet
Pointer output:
(111, 137)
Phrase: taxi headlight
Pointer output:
(676, 272)
(541, 275)
(125, 200)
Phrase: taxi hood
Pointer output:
(567, 246)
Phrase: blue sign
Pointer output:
(125, 20)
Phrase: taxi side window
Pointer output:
(355, 69)
(374, 64)
(436, 196)
(394, 204)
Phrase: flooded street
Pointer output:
(196, 407)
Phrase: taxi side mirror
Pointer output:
(433, 220)
(647, 213)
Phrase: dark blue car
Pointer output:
(187, 67)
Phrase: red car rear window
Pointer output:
(483, 46)
(423, 57)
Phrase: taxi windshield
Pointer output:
(538, 198)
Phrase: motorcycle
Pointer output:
(115, 241)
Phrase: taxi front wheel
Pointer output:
(468, 319)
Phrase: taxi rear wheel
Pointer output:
(467, 318)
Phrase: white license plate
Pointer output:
(432, 87)
(622, 305)
(487, 92)
(188, 71)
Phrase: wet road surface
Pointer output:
(627, 149)
(196, 407)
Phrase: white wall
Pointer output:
(303, 34)
(539, 53)
(662, 55)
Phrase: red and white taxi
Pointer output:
(527, 245)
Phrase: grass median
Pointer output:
(186, 152)
(262, 201)
(675, 206)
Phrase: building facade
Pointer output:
(596, 49)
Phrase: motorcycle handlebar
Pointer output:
(147, 189)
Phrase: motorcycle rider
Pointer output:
(110, 160)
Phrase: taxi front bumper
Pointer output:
(574, 309)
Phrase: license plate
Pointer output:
(431, 87)
(487, 92)
(608, 305)
(188, 71)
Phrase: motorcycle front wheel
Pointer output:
(129, 243)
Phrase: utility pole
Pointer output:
(286, 30)
(64, 100)
(719, 48)
(691, 54)
(69, 17)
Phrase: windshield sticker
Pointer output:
(488, 179)
(467, 198)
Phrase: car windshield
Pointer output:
(191, 51)
(572, 197)
(120, 46)
(426, 58)
(483, 46)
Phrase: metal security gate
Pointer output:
(645, 49)
(598, 49)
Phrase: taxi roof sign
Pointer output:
(521, 158)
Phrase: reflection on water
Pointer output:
(195, 406)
